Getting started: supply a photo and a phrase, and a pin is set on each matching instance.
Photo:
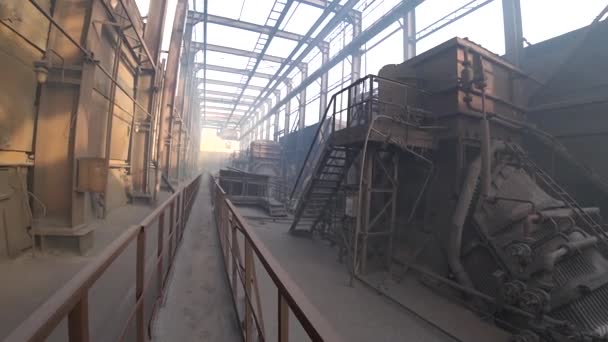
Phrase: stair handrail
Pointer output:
(332, 103)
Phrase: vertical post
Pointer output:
(267, 132)
(235, 264)
(78, 320)
(277, 95)
(164, 136)
(248, 279)
(514, 40)
(139, 285)
(159, 252)
(393, 209)
(302, 105)
(365, 211)
(182, 222)
(171, 224)
(409, 35)
(283, 315)
(324, 80)
(287, 111)
(356, 56)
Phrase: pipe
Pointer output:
(457, 225)
(529, 221)
(460, 214)
(582, 242)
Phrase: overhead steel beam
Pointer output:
(196, 17)
(328, 28)
(265, 41)
(322, 4)
(223, 93)
(225, 108)
(451, 17)
(201, 66)
(229, 84)
(227, 101)
(198, 46)
(374, 29)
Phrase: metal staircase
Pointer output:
(342, 135)
(322, 187)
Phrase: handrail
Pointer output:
(235, 233)
(332, 104)
(72, 301)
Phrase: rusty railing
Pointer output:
(236, 235)
(72, 300)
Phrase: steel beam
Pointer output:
(225, 108)
(229, 84)
(196, 17)
(356, 53)
(155, 25)
(448, 19)
(201, 66)
(198, 46)
(374, 29)
(302, 105)
(265, 41)
(223, 93)
(324, 84)
(329, 27)
(171, 80)
(514, 39)
(287, 110)
(227, 101)
(409, 35)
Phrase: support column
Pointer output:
(267, 132)
(165, 129)
(356, 56)
(302, 106)
(324, 80)
(514, 40)
(287, 124)
(147, 94)
(275, 132)
(409, 35)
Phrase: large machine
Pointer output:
(424, 168)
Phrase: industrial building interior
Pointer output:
(303, 170)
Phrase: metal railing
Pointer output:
(355, 105)
(242, 250)
(72, 300)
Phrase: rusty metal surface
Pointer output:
(70, 300)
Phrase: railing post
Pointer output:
(139, 285)
(78, 320)
(171, 224)
(182, 222)
(179, 220)
(159, 252)
(248, 280)
(283, 315)
(233, 246)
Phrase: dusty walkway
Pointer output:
(198, 305)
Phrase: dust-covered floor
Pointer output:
(356, 313)
(198, 306)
